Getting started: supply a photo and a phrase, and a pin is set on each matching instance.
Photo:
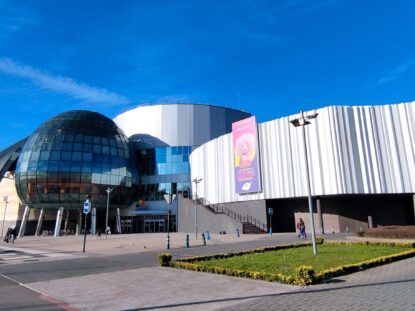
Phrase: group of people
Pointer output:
(10, 235)
(301, 229)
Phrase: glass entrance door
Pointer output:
(154, 225)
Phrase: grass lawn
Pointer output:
(286, 260)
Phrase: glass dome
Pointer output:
(74, 155)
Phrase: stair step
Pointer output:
(249, 228)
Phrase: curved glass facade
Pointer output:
(72, 155)
(164, 170)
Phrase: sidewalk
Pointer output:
(122, 243)
(105, 281)
(156, 288)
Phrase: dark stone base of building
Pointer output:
(344, 213)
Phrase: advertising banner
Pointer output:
(246, 156)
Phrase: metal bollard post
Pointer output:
(168, 242)
(186, 241)
(208, 235)
(204, 239)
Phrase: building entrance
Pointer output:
(154, 225)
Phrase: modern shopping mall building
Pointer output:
(361, 165)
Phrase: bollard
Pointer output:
(347, 229)
(168, 242)
(270, 231)
(237, 233)
(208, 235)
(204, 239)
(186, 241)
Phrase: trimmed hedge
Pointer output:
(165, 259)
(391, 232)
(345, 269)
(305, 275)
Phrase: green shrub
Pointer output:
(165, 259)
(305, 275)
(319, 240)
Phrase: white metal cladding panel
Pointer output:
(352, 150)
(179, 124)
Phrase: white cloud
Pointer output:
(60, 84)
(13, 18)
(397, 72)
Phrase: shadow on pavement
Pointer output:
(296, 292)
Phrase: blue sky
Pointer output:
(271, 58)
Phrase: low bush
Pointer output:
(345, 269)
(165, 259)
(304, 275)
(391, 232)
(319, 240)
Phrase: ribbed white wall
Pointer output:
(179, 124)
(352, 150)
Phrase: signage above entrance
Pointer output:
(169, 198)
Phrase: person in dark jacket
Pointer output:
(13, 233)
(7, 238)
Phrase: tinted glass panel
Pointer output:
(59, 168)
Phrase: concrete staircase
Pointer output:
(250, 225)
(249, 228)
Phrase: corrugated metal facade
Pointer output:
(179, 124)
(352, 150)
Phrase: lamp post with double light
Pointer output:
(302, 121)
(108, 190)
(196, 181)
(169, 199)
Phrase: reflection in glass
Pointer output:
(169, 167)
(72, 155)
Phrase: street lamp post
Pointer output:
(108, 190)
(5, 200)
(168, 227)
(302, 121)
(169, 199)
(196, 181)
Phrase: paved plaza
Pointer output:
(122, 273)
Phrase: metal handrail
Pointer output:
(220, 209)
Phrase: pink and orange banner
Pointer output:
(246, 156)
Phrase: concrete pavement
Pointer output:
(17, 297)
(388, 287)
(155, 288)
(120, 273)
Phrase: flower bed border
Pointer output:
(305, 274)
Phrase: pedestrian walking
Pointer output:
(301, 229)
(7, 237)
(13, 233)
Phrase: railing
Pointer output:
(257, 223)
(220, 209)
